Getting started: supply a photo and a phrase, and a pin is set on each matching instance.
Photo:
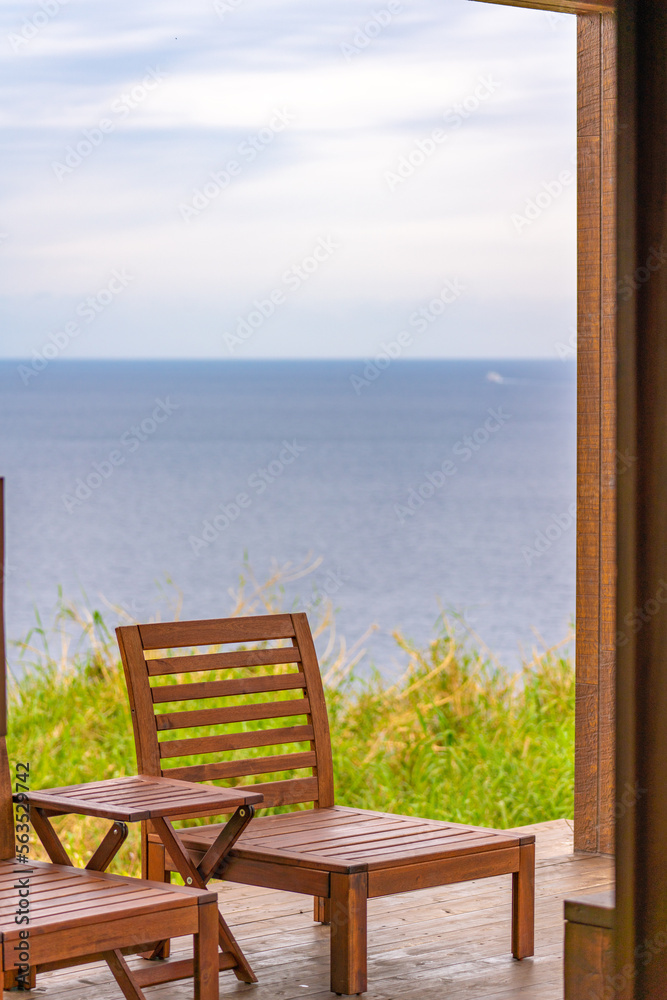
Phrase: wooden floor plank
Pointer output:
(447, 943)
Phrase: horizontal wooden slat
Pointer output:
(294, 877)
(227, 689)
(137, 798)
(212, 632)
(197, 662)
(65, 963)
(233, 741)
(245, 766)
(405, 878)
(237, 713)
(285, 793)
(408, 848)
(166, 972)
(562, 6)
(312, 883)
(328, 838)
(120, 927)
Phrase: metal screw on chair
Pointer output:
(241, 812)
(189, 880)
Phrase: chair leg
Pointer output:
(154, 869)
(523, 904)
(10, 977)
(322, 910)
(206, 953)
(349, 895)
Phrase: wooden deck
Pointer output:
(448, 943)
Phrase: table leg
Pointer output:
(109, 848)
(49, 837)
(213, 861)
(192, 876)
(123, 976)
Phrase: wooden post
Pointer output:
(641, 917)
(596, 434)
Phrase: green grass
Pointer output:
(456, 738)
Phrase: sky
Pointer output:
(286, 179)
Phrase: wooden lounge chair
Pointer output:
(341, 856)
(53, 916)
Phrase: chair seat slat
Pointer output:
(227, 688)
(236, 713)
(213, 632)
(235, 741)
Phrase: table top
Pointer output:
(142, 796)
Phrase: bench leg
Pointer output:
(206, 953)
(322, 910)
(349, 896)
(523, 904)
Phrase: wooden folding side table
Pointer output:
(131, 799)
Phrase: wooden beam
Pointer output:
(641, 919)
(561, 6)
(596, 434)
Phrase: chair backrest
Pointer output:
(261, 706)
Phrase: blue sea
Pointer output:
(414, 489)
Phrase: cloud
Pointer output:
(219, 79)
